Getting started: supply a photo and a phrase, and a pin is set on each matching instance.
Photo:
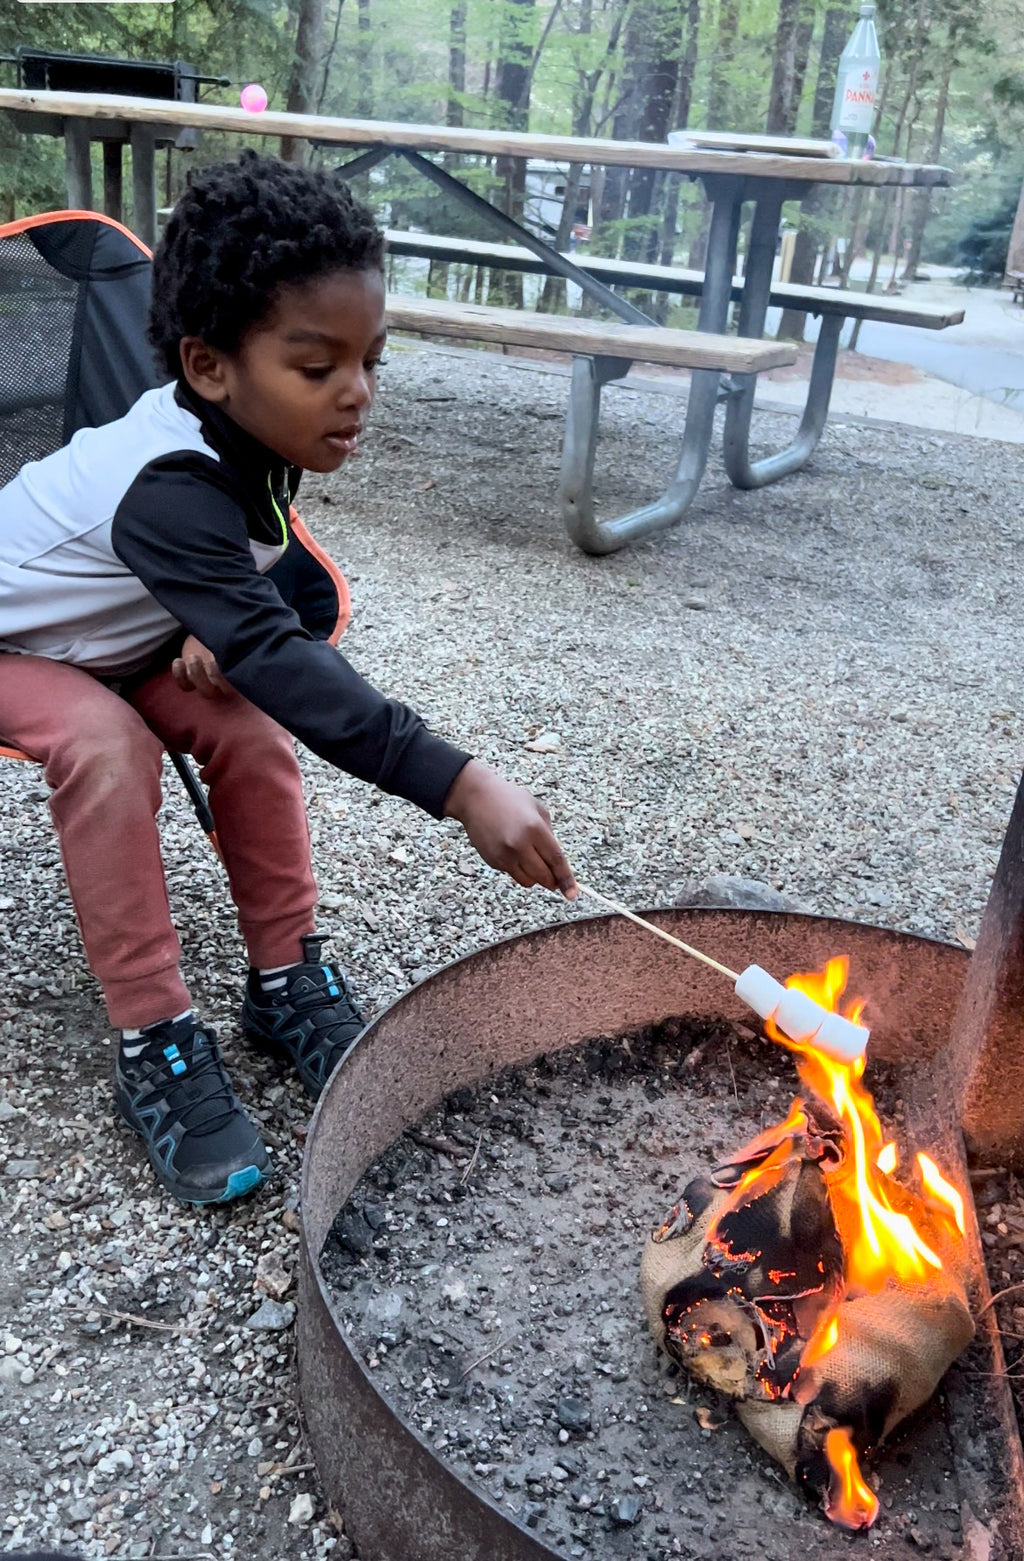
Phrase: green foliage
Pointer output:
(577, 55)
(982, 249)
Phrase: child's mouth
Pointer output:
(343, 443)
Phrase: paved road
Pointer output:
(984, 355)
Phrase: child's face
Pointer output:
(303, 381)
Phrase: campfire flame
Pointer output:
(854, 1503)
(888, 1231)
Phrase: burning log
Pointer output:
(808, 1284)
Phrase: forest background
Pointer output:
(952, 92)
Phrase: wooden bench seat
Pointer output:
(591, 338)
(677, 279)
(601, 352)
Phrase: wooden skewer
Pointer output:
(649, 926)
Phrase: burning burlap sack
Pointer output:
(750, 1264)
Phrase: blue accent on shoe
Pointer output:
(173, 1056)
(241, 1182)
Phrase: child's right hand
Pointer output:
(196, 670)
(510, 829)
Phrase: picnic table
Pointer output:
(733, 171)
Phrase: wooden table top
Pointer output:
(488, 143)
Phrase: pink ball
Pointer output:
(253, 98)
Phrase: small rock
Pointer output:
(25, 1169)
(273, 1316)
(546, 742)
(272, 1278)
(113, 1462)
(353, 1233)
(624, 1510)
(725, 890)
(696, 603)
(301, 1511)
(572, 1414)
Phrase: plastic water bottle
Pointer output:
(860, 65)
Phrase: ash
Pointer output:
(486, 1269)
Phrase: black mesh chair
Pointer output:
(74, 297)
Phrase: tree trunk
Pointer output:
(1015, 253)
(364, 62)
(781, 116)
(819, 199)
(720, 91)
(653, 50)
(454, 112)
(923, 198)
(302, 81)
(512, 94)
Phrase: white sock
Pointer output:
(137, 1035)
(274, 977)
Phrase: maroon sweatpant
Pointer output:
(102, 758)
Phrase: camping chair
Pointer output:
(74, 297)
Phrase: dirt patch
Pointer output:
(486, 1269)
(851, 366)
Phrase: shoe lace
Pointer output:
(339, 1016)
(202, 1098)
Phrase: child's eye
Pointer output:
(317, 373)
(376, 363)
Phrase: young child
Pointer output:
(136, 612)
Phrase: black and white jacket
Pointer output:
(168, 521)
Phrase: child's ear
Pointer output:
(203, 368)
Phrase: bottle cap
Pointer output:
(867, 11)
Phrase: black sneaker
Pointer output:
(177, 1096)
(309, 1021)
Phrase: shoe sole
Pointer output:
(244, 1180)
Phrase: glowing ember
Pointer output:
(803, 1279)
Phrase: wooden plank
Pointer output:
(866, 306)
(559, 333)
(487, 143)
(672, 279)
(730, 141)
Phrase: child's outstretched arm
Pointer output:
(510, 829)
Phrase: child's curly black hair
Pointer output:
(240, 232)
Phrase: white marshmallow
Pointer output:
(800, 1017)
(759, 990)
(841, 1039)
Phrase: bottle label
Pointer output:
(857, 107)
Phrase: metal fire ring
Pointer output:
(505, 1005)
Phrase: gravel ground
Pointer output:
(818, 686)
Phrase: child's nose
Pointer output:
(357, 390)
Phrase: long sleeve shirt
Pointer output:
(174, 519)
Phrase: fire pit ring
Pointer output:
(505, 1005)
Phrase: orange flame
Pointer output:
(940, 1189)
(851, 1501)
(880, 1242)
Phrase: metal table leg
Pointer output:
(744, 472)
(590, 374)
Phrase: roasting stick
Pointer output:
(613, 905)
(795, 1014)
